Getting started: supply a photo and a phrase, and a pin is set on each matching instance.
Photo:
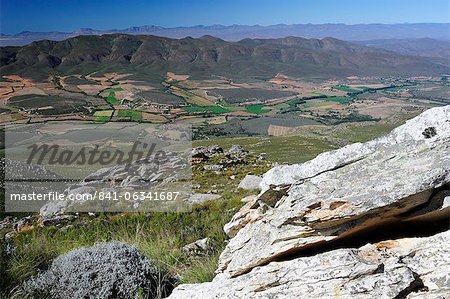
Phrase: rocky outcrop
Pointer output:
(250, 182)
(198, 247)
(250, 212)
(202, 153)
(406, 268)
(237, 150)
(139, 175)
(342, 192)
(300, 235)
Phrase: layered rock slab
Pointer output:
(405, 268)
(343, 192)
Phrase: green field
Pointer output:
(254, 109)
(111, 98)
(257, 109)
(113, 89)
(102, 119)
(103, 113)
(316, 94)
(283, 107)
(132, 114)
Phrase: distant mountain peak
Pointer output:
(85, 31)
(142, 29)
(357, 32)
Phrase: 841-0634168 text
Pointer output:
(98, 195)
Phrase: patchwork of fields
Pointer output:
(245, 108)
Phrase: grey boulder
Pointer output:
(197, 198)
(405, 268)
(250, 182)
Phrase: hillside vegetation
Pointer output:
(208, 56)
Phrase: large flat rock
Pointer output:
(405, 268)
(344, 191)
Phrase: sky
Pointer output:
(70, 15)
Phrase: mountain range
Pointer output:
(359, 32)
(207, 56)
(426, 47)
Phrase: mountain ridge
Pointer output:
(206, 56)
(427, 47)
(238, 32)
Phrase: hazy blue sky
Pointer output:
(69, 15)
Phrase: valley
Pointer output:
(253, 87)
(256, 108)
(219, 107)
